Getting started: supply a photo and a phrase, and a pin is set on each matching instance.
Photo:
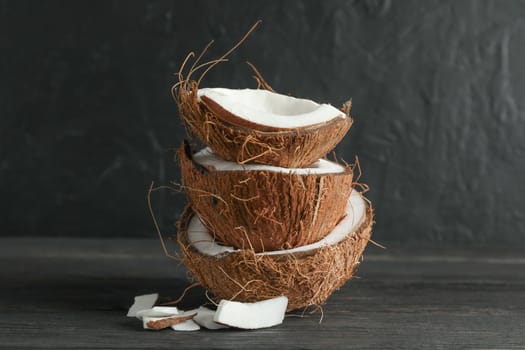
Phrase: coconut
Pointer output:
(141, 303)
(257, 125)
(261, 314)
(265, 207)
(260, 126)
(306, 275)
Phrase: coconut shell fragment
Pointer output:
(264, 209)
(245, 143)
(306, 278)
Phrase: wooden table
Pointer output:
(63, 293)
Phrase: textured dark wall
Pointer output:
(87, 121)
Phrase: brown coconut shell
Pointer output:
(306, 278)
(232, 138)
(262, 209)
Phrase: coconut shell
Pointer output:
(262, 209)
(241, 143)
(306, 278)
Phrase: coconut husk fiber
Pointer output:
(262, 209)
(290, 148)
(306, 278)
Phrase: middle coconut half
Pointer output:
(265, 208)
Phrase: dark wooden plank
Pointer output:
(60, 293)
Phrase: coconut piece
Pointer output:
(142, 302)
(186, 326)
(204, 318)
(245, 140)
(158, 311)
(201, 239)
(265, 110)
(157, 323)
(261, 314)
(265, 208)
(306, 277)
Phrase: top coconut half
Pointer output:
(261, 126)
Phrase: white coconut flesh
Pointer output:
(200, 238)
(206, 158)
(186, 326)
(268, 108)
(205, 317)
(158, 311)
(141, 303)
(261, 314)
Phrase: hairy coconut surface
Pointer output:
(306, 278)
(250, 143)
(266, 209)
(201, 239)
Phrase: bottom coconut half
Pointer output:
(307, 275)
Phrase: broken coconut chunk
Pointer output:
(158, 311)
(142, 302)
(204, 318)
(186, 326)
(261, 314)
(157, 323)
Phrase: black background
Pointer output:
(87, 121)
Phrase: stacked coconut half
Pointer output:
(267, 214)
